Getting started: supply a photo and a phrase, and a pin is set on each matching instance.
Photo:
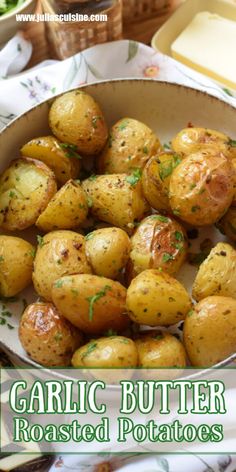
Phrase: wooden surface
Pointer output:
(140, 31)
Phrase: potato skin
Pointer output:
(76, 118)
(107, 251)
(209, 331)
(157, 350)
(156, 179)
(92, 303)
(110, 352)
(52, 152)
(59, 253)
(191, 140)
(26, 187)
(16, 265)
(202, 188)
(115, 200)
(217, 274)
(131, 143)
(156, 299)
(46, 336)
(158, 242)
(227, 224)
(68, 209)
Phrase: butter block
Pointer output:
(208, 45)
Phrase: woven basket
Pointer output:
(134, 10)
(68, 38)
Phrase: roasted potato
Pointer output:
(92, 303)
(107, 353)
(155, 298)
(26, 187)
(131, 143)
(76, 118)
(202, 188)
(191, 140)
(59, 253)
(158, 242)
(217, 274)
(210, 331)
(157, 350)
(107, 250)
(47, 337)
(68, 209)
(227, 224)
(156, 179)
(60, 157)
(16, 265)
(116, 199)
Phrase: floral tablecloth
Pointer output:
(120, 59)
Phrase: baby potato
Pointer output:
(156, 299)
(227, 224)
(46, 336)
(92, 303)
(156, 179)
(59, 253)
(158, 242)
(68, 209)
(157, 350)
(76, 118)
(202, 188)
(107, 250)
(107, 353)
(217, 274)
(60, 157)
(26, 187)
(191, 140)
(116, 199)
(16, 265)
(131, 143)
(210, 331)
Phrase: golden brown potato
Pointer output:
(107, 250)
(131, 143)
(26, 187)
(46, 336)
(92, 303)
(116, 199)
(210, 331)
(156, 179)
(202, 188)
(227, 224)
(16, 265)
(158, 242)
(191, 140)
(59, 253)
(155, 298)
(68, 209)
(76, 118)
(60, 157)
(157, 350)
(107, 353)
(217, 274)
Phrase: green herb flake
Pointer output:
(123, 125)
(176, 212)
(167, 146)
(232, 142)
(89, 236)
(158, 337)
(179, 236)
(195, 208)
(12, 194)
(90, 348)
(40, 241)
(192, 186)
(6, 313)
(134, 178)
(145, 150)
(71, 150)
(74, 291)
(58, 337)
(167, 257)
(92, 177)
(92, 300)
(1, 259)
(166, 168)
(110, 332)
(161, 218)
(32, 252)
(227, 91)
(58, 283)
(89, 202)
(10, 326)
(190, 313)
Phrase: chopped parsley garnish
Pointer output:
(134, 178)
(167, 257)
(145, 150)
(71, 150)
(232, 142)
(58, 337)
(161, 218)
(32, 252)
(92, 177)
(1, 259)
(91, 347)
(40, 241)
(110, 332)
(176, 212)
(89, 236)
(227, 91)
(190, 313)
(122, 125)
(89, 202)
(92, 300)
(195, 208)
(58, 284)
(166, 168)
(179, 236)
(12, 194)
(166, 146)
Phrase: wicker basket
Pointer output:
(134, 10)
(68, 38)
